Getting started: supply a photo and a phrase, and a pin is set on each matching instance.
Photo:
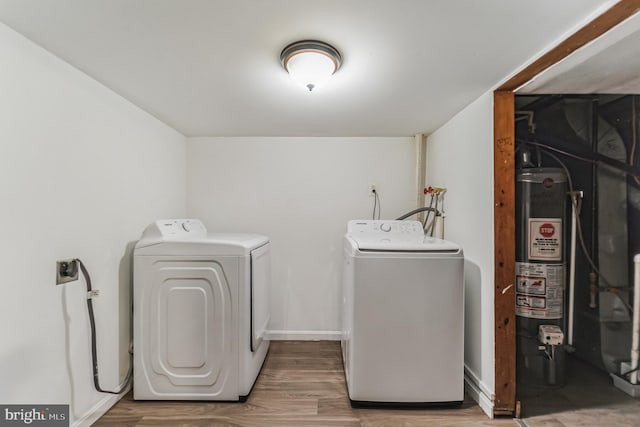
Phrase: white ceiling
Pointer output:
(211, 67)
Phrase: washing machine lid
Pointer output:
(395, 236)
(190, 237)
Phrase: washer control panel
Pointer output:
(380, 227)
(394, 236)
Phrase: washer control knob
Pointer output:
(385, 227)
(186, 227)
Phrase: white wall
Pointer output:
(460, 158)
(300, 192)
(82, 172)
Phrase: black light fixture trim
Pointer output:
(311, 46)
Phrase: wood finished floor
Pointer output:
(301, 384)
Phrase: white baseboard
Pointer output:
(99, 409)
(479, 392)
(305, 335)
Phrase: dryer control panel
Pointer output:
(181, 227)
(173, 229)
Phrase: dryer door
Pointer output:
(185, 325)
(260, 294)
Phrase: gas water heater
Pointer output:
(541, 195)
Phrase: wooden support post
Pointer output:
(504, 247)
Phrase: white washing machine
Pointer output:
(402, 316)
(201, 312)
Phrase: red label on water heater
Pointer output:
(545, 239)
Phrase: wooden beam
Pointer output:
(597, 27)
(504, 248)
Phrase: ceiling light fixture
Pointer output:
(310, 62)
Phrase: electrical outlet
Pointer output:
(66, 271)
(372, 190)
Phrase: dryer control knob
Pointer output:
(385, 227)
(186, 227)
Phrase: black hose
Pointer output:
(435, 218)
(415, 211)
(94, 349)
(426, 217)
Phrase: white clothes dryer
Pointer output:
(402, 316)
(201, 312)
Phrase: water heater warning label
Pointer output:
(545, 239)
(539, 290)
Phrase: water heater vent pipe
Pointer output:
(635, 340)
